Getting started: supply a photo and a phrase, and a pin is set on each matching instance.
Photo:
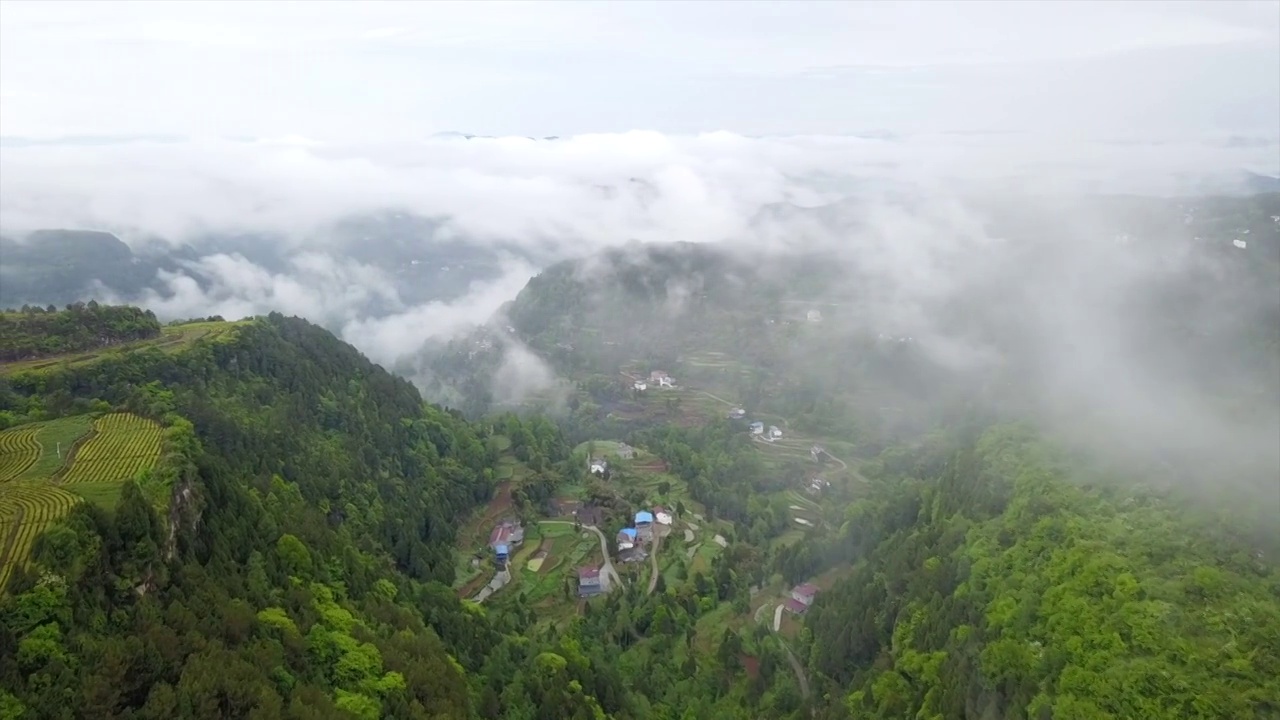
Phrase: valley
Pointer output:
(754, 504)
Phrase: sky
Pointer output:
(343, 72)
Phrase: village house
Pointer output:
(501, 553)
(644, 525)
(639, 385)
(757, 428)
(508, 532)
(801, 598)
(661, 515)
(774, 432)
(817, 485)
(625, 451)
(598, 466)
(737, 413)
(814, 316)
(816, 452)
(661, 379)
(626, 539)
(589, 582)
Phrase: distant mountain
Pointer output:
(62, 266)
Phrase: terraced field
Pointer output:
(18, 451)
(122, 446)
(47, 467)
(25, 510)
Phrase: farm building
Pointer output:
(817, 485)
(661, 515)
(626, 538)
(589, 582)
(644, 525)
(757, 428)
(508, 532)
(661, 379)
(804, 593)
(795, 606)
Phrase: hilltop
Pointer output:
(879, 344)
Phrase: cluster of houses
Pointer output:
(599, 465)
(508, 535)
(801, 598)
(657, 378)
(631, 540)
(757, 428)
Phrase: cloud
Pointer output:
(574, 194)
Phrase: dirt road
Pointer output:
(653, 563)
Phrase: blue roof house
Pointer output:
(501, 553)
(644, 517)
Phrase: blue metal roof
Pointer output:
(502, 549)
(644, 516)
(629, 532)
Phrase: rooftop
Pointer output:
(795, 606)
(588, 573)
(806, 589)
(644, 516)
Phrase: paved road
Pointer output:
(606, 567)
(497, 583)
(777, 617)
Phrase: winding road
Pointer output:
(607, 566)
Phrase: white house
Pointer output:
(1240, 244)
(814, 316)
(774, 432)
(757, 428)
(640, 385)
(598, 466)
(661, 516)
(666, 382)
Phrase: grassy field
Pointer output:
(172, 339)
(47, 467)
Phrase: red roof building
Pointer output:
(804, 593)
(795, 606)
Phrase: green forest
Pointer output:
(34, 332)
(294, 555)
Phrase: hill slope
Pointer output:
(287, 557)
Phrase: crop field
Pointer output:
(18, 451)
(25, 510)
(122, 446)
(48, 467)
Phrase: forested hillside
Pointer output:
(294, 569)
(34, 332)
(993, 579)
